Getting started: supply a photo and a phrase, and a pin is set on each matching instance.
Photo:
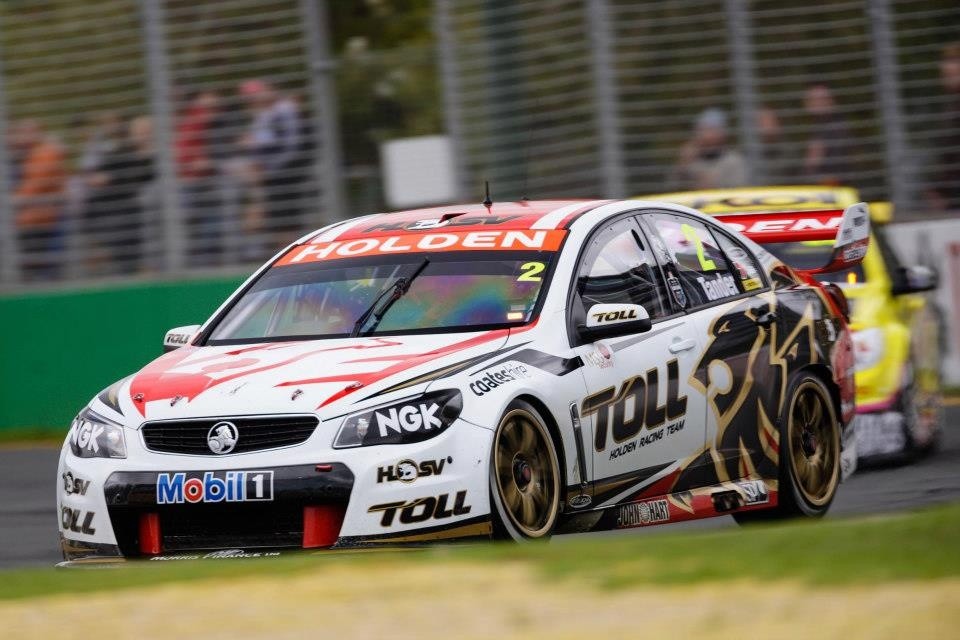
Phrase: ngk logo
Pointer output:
(408, 418)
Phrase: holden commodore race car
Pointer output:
(510, 370)
(896, 331)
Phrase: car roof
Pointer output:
(520, 215)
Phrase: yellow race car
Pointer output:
(897, 330)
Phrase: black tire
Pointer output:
(809, 453)
(918, 444)
(525, 477)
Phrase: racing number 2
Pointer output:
(531, 272)
(691, 234)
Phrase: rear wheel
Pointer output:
(809, 453)
(524, 476)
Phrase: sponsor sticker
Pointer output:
(421, 509)
(74, 485)
(754, 492)
(514, 240)
(490, 379)
(408, 471)
(77, 521)
(718, 287)
(643, 513)
(214, 486)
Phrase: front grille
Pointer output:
(228, 525)
(253, 434)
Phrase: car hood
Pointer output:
(326, 377)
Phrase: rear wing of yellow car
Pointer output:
(849, 228)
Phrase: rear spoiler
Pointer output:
(850, 228)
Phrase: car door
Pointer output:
(729, 304)
(638, 409)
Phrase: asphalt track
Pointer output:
(28, 533)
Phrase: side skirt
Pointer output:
(724, 498)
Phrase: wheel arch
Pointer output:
(553, 428)
(823, 373)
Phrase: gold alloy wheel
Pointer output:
(525, 466)
(814, 443)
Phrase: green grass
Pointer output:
(912, 546)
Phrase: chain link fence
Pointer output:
(618, 98)
(183, 136)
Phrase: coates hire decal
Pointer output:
(233, 486)
(521, 240)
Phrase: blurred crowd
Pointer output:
(243, 170)
(828, 153)
(242, 162)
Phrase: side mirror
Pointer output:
(916, 279)
(179, 337)
(612, 320)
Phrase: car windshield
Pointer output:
(457, 291)
(813, 254)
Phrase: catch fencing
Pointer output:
(175, 137)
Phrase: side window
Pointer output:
(743, 265)
(700, 274)
(617, 268)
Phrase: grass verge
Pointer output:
(864, 551)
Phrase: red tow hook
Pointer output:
(151, 544)
(321, 525)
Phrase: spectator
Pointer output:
(829, 146)
(274, 141)
(141, 183)
(196, 172)
(773, 147)
(38, 199)
(111, 203)
(944, 192)
(707, 161)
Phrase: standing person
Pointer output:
(274, 141)
(196, 173)
(944, 190)
(38, 199)
(105, 226)
(829, 146)
(773, 147)
(706, 160)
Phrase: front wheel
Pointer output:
(809, 453)
(524, 476)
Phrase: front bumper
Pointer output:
(305, 497)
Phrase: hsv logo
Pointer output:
(408, 470)
(433, 223)
(74, 485)
(414, 243)
(234, 486)
(408, 418)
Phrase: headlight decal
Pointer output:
(410, 420)
(93, 436)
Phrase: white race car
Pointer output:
(513, 370)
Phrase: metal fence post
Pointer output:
(450, 88)
(887, 82)
(605, 98)
(9, 245)
(163, 114)
(740, 32)
(328, 165)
